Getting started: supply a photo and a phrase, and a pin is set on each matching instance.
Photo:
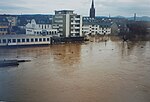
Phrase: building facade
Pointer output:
(33, 28)
(68, 23)
(96, 29)
(92, 27)
(4, 26)
(24, 40)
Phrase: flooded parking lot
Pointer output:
(110, 71)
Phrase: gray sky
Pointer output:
(103, 7)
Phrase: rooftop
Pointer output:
(64, 12)
(3, 19)
(20, 36)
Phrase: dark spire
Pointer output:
(92, 10)
(92, 4)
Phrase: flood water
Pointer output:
(90, 72)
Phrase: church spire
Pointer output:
(92, 4)
(92, 10)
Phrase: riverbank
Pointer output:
(98, 38)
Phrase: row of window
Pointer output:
(44, 26)
(24, 40)
(59, 21)
(100, 26)
(4, 24)
(75, 21)
(97, 31)
(3, 29)
(59, 16)
(3, 33)
(50, 32)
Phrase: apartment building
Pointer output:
(68, 23)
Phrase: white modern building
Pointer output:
(68, 23)
(96, 29)
(34, 28)
(92, 26)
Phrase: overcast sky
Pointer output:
(103, 7)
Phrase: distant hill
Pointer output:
(119, 17)
(143, 18)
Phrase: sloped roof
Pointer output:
(3, 19)
(40, 19)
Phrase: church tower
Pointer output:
(92, 10)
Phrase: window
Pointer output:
(0, 40)
(36, 39)
(14, 41)
(29, 30)
(9, 40)
(48, 39)
(32, 40)
(40, 39)
(33, 25)
(44, 39)
(23, 40)
(4, 40)
(18, 40)
(27, 40)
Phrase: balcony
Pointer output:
(75, 32)
(75, 23)
(75, 27)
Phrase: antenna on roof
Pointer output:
(134, 16)
(109, 16)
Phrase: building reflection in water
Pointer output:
(89, 72)
(67, 56)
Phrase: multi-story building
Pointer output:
(92, 27)
(34, 28)
(4, 26)
(68, 23)
(12, 19)
(96, 29)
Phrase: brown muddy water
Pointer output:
(91, 72)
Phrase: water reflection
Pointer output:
(88, 72)
(67, 54)
(67, 57)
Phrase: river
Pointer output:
(97, 71)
